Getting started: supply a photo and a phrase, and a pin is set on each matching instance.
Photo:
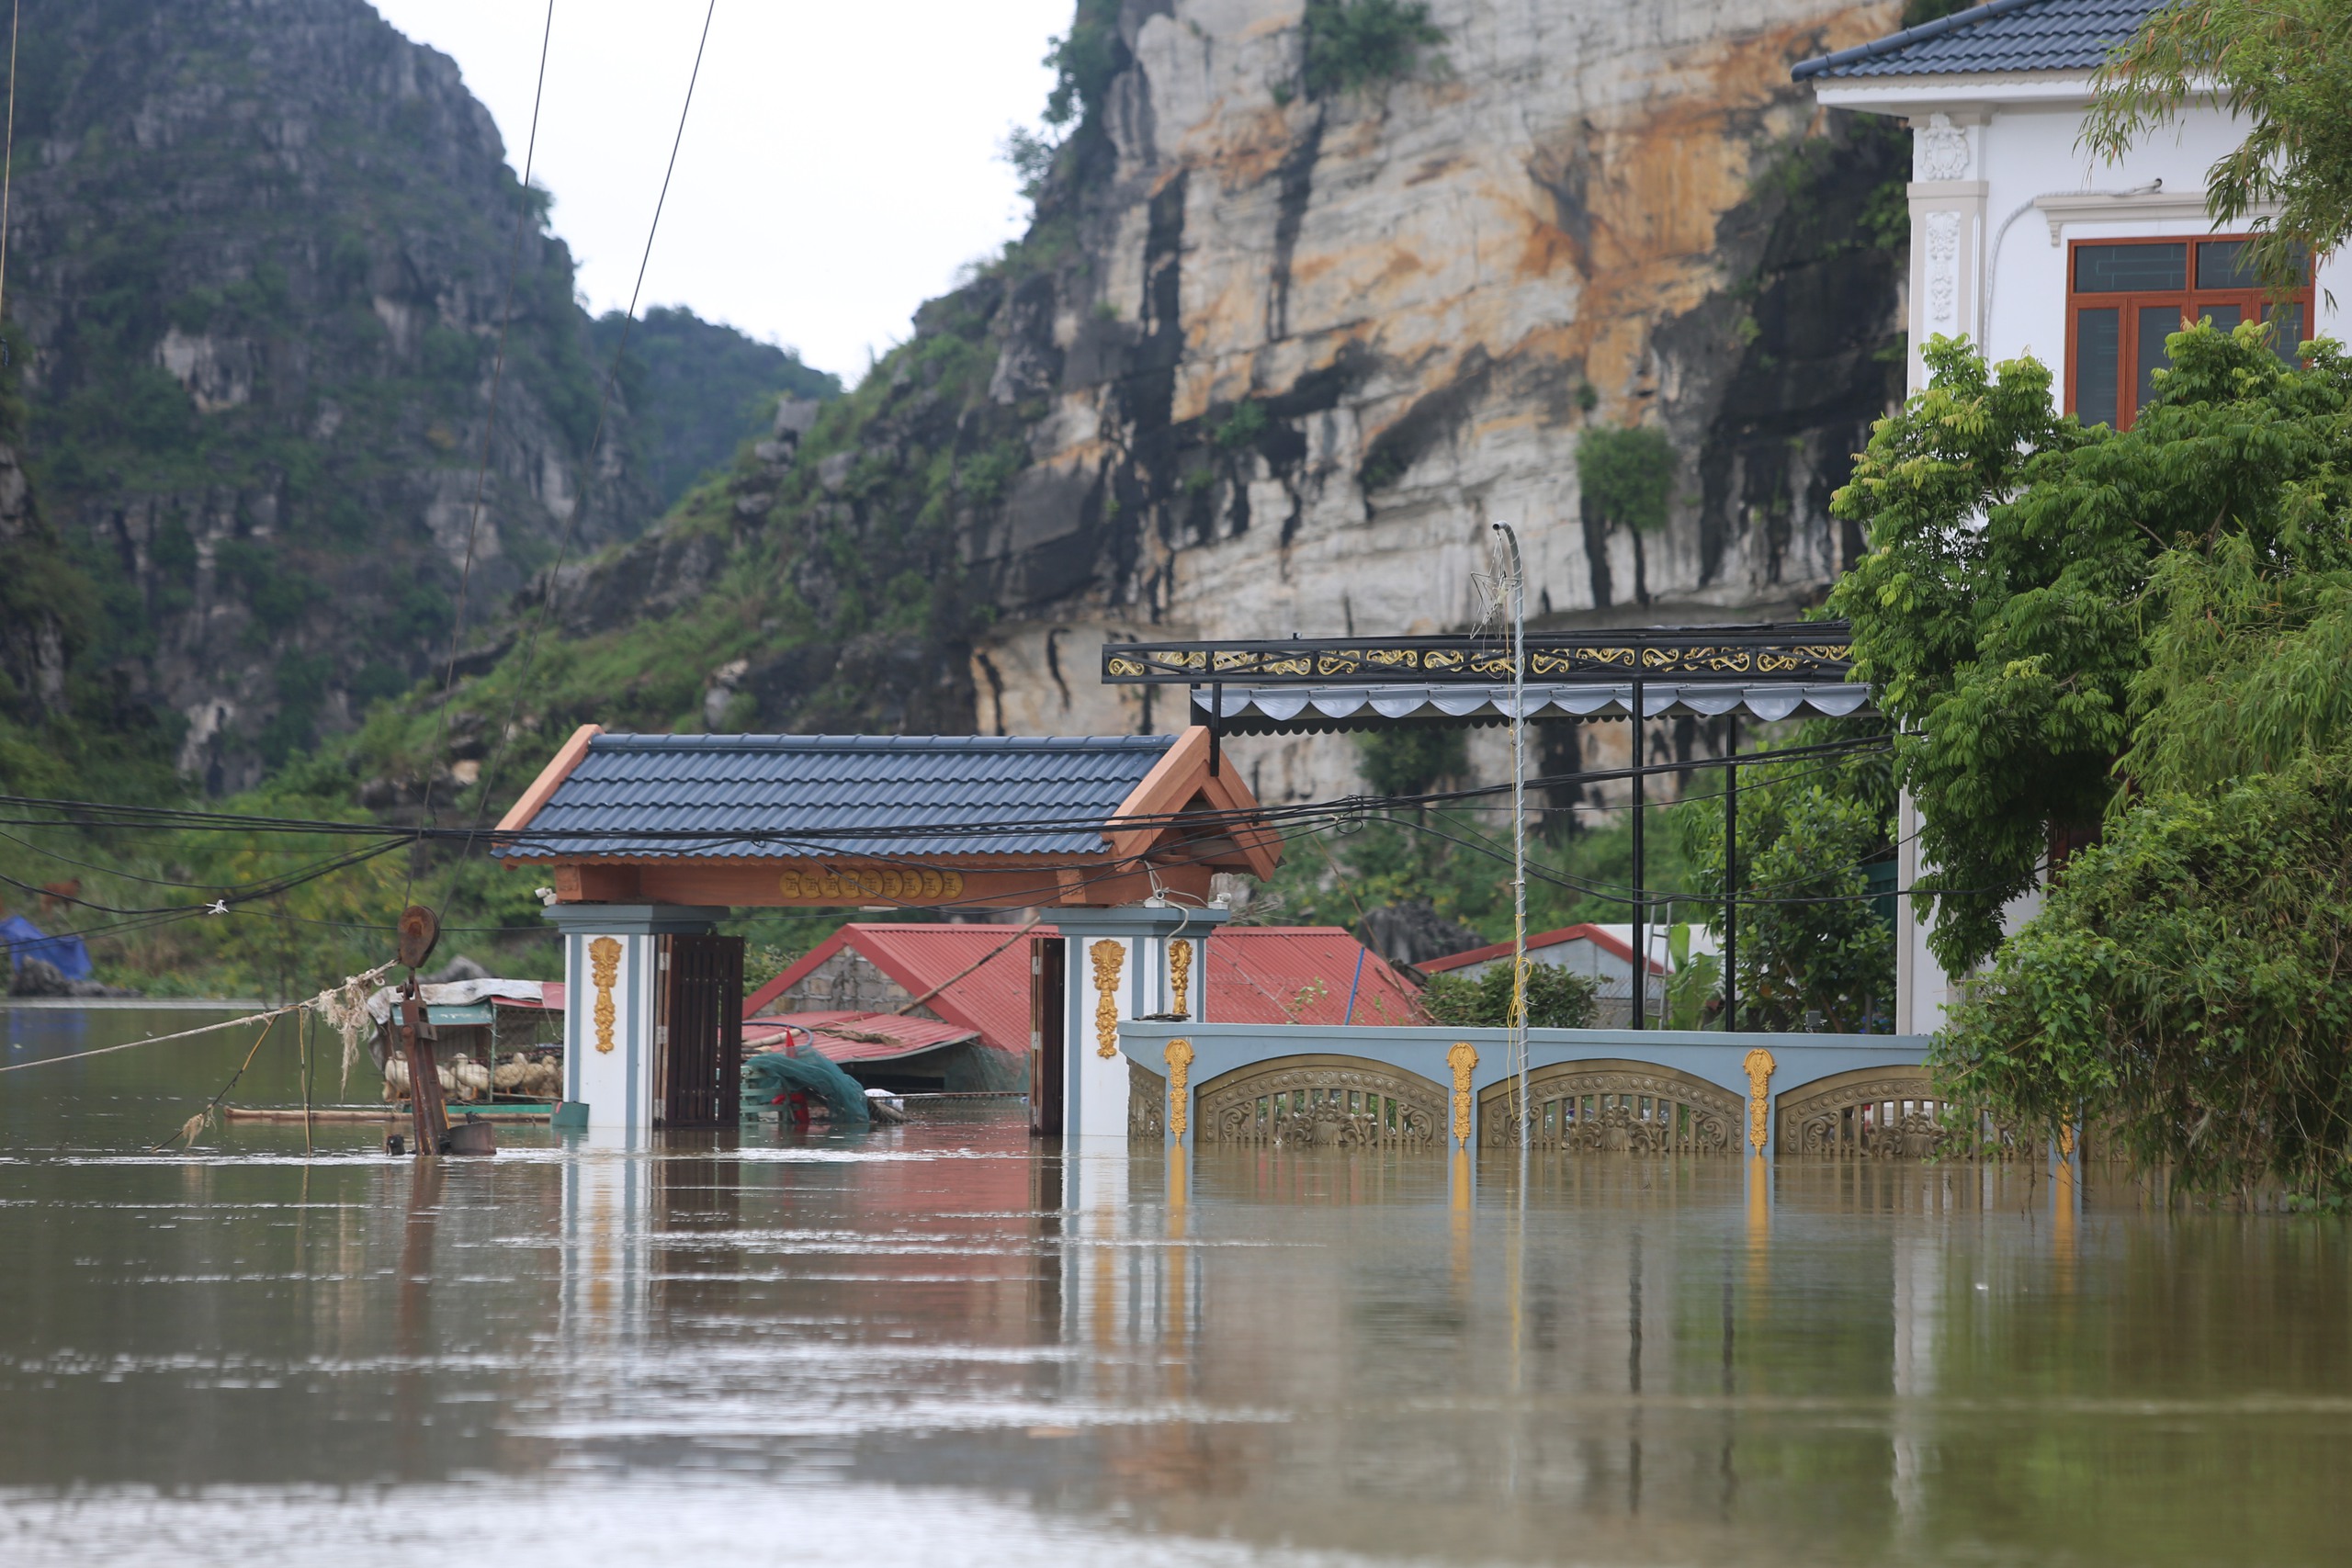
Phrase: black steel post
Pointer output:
(1641, 899)
(1731, 875)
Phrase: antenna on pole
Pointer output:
(1517, 582)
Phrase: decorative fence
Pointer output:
(1607, 1092)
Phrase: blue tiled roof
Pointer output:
(2001, 35)
(840, 795)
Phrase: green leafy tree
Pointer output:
(2188, 988)
(2005, 611)
(2283, 69)
(1556, 999)
(1809, 938)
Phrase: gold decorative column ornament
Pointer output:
(1180, 976)
(1180, 1073)
(604, 961)
(1108, 957)
(1463, 1058)
(1759, 1065)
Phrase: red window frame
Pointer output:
(2192, 303)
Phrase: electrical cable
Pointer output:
(486, 786)
(489, 431)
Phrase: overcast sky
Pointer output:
(840, 161)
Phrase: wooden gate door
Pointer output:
(1046, 1036)
(698, 1053)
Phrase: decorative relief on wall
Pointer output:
(605, 968)
(1180, 978)
(1108, 957)
(1940, 150)
(1147, 1098)
(1463, 1058)
(900, 885)
(1323, 1102)
(1892, 1114)
(1943, 265)
(1759, 1065)
(1589, 1108)
(1180, 1073)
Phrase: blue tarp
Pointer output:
(25, 940)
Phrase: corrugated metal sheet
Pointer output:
(2006, 35)
(855, 1036)
(1256, 975)
(842, 794)
(1301, 974)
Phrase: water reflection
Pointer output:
(943, 1343)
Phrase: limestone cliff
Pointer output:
(1305, 347)
(1275, 354)
(258, 257)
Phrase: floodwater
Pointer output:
(940, 1346)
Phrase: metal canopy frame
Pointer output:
(1767, 670)
(1785, 652)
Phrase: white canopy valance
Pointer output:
(1308, 708)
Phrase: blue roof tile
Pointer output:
(839, 795)
(2001, 35)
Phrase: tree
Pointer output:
(1810, 941)
(2187, 989)
(1556, 999)
(2283, 69)
(2012, 607)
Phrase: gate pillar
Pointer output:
(1136, 961)
(612, 995)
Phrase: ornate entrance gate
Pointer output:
(698, 1044)
(1614, 1107)
(1329, 1100)
(1878, 1114)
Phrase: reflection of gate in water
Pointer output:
(1330, 1100)
(1613, 1107)
(1882, 1113)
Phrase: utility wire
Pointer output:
(489, 431)
(486, 786)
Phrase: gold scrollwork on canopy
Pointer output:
(1759, 1066)
(605, 967)
(1442, 659)
(1391, 658)
(1338, 661)
(899, 885)
(1119, 665)
(1108, 957)
(1179, 1057)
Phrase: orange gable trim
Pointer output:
(551, 779)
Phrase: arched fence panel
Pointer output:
(1889, 1113)
(1323, 1100)
(1614, 1107)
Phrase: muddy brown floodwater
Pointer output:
(942, 1345)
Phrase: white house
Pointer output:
(2027, 244)
(1603, 952)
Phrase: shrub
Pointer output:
(1353, 43)
(1556, 999)
(1626, 477)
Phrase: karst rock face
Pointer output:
(1300, 349)
(258, 268)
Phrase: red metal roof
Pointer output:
(855, 1036)
(1302, 975)
(1256, 975)
(1596, 935)
(980, 973)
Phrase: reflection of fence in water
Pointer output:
(1614, 1108)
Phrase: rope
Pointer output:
(194, 1126)
(324, 1002)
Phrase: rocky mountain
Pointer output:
(258, 264)
(1315, 292)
